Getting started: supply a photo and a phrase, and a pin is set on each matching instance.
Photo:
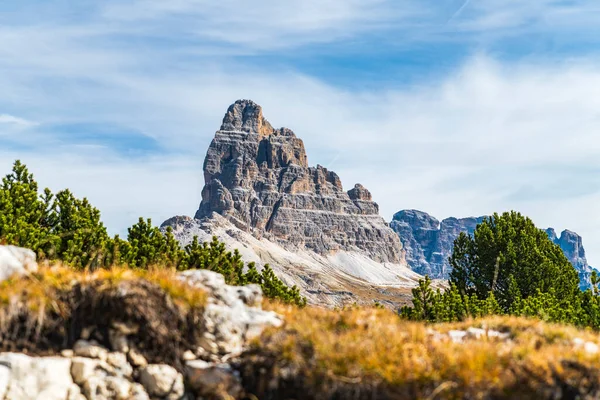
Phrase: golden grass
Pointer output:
(40, 290)
(368, 344)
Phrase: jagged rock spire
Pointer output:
(259, 179)
(246, 116)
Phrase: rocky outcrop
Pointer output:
(16, 261)
(107, 363)
(259, 179)
(572, 245)
(428, 243)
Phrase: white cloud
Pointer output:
(488, 136)
(15, 121)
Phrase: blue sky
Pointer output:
(457, 108)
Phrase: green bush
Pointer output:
(509, 248)
(62, 227)
(508, 267)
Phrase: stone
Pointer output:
(428, 243)
(16, 261)
(212, 380)
(138, 392)
(228, 319)
(89, 349)
(119, 362)
(36, 378)
(588, 347)
(118, 341)
(457, 336)
(163, 381)
(259, 179)
(136, 359)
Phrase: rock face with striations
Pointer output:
(259, 179)
(428, 243)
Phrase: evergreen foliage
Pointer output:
(62, 227)
(508, 267)
(509, 248)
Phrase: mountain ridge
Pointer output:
(428, 243)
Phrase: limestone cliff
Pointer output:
(263, 199)
(258, 178)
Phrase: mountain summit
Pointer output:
(262, 198)
(259, 179)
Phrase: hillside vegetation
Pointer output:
(352, 353)
(508, 267)
(61, 227)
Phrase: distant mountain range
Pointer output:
(428, 243)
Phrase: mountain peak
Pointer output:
(246, 116)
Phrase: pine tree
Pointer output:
(510, 245)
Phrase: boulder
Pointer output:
(162, 381)
(232, 315)
(16, 261)
(36, 378)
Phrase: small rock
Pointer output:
(161, 380)
(457, 336)
(83, 369)
(118, 341)
(119, 388)
(138, 392)
(67, 353)
(119, 362)
(476, 333)
(588, 347)
(136, 359)
(189, 356)
(83, 348)
(213, 380)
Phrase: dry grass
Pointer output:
(372, 353)
(42, 289)
(48, 310)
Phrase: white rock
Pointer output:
(119, 362)
(119, 388)
(588, 347)
(230, 318)
(138, 392)
(83, 348)
(591, 348)
(16, 261)
(4, 379)
(136, 359)
(161, 380)
(37, 378)
(82, 369)
(476, 333)
(457, 336)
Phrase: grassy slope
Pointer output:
(371, 353)
(361, 353)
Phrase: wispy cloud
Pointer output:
(15, 121)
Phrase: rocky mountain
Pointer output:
(262, 197)
(428, 243)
